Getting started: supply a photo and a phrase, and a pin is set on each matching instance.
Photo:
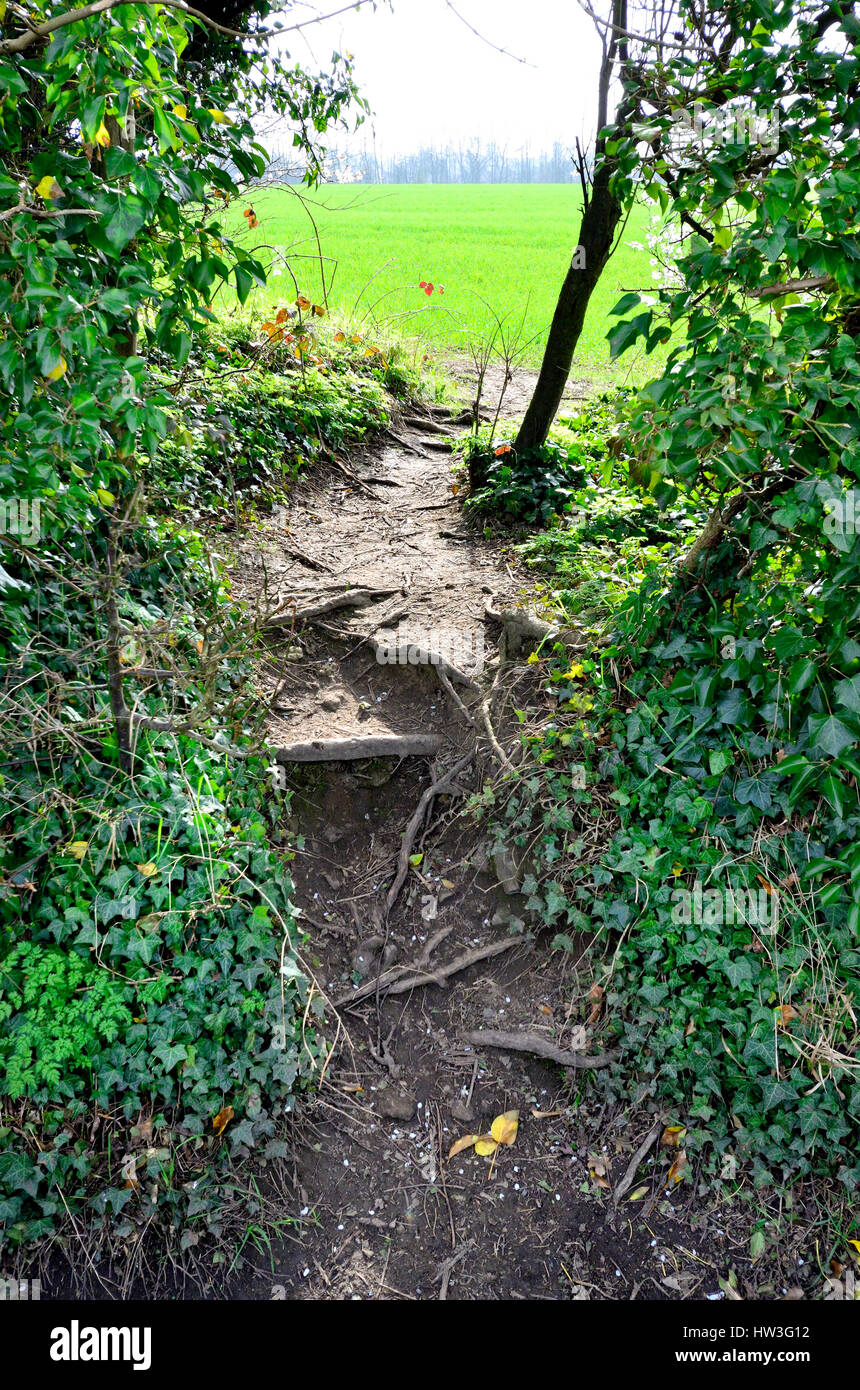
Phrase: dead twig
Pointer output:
(434, 977)
(627, 1181)
(442, 784)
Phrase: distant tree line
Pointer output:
(471, 163)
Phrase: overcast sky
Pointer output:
(430, 80)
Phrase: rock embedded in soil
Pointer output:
(395, 1105)
(461, 1112)
(506, 870)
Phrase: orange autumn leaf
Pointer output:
(676, 1172)
(672, 1136)
(302, 301)
(595, 994)
(222, 1119)
(460, 1144)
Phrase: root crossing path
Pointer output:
(390, 706)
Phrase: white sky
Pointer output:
(430, 81)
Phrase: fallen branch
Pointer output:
(336, 750)
(627, 1181)
(541, 1047)
(427, 977)
(442, 784)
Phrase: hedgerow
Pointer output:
(156, 1022)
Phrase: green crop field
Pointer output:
(494, 249)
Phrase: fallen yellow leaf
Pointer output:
(222, 1119)
(148, 870)
(485, 1145)
(504, 1127)
(640, 1193)
(78, 848)
(672, 1136)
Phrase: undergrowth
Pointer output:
(694, 808)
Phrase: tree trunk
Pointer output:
(600, 219)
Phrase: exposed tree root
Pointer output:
(453, 696)
(389, 651)
(350, 598)
(541, 1047)
(336, 750)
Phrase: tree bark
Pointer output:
(600, 219)
(601, 215)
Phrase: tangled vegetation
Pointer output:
(719, 723)
(156, 1020)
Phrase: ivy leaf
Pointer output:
(626, 333)
(170, 1054)
(848, 693)
(126, 221)
(830, 736)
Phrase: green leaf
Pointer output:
(126, 221)
(847, 693)
(620, 338)
(830, 736)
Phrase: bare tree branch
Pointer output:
(478, 35)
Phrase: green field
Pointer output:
(497, 249)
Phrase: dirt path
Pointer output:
(378, 1210)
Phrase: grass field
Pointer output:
(498, 249)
